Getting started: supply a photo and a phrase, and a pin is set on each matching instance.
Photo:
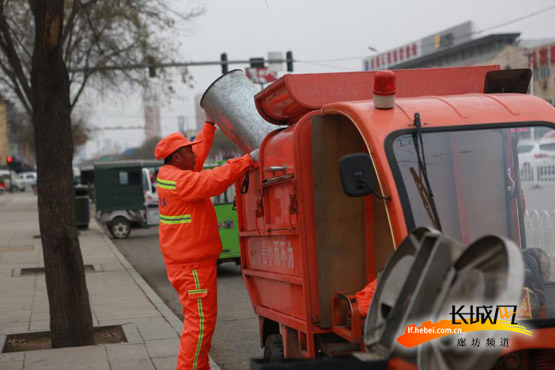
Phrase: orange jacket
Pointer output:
(365, 296)
(188, 224)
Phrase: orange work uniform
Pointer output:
(190, 243)
(365, 296)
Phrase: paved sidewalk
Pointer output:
(118, 295)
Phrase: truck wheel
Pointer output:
(120, 228)
(273, 347)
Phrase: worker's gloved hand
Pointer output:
(254, 155)
(208, 118)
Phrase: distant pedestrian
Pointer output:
(189, 237)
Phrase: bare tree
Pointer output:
(70, 313)
(80, 131)
(97, 33)
(74, 33)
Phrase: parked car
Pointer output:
(26, 180)
(11, 183)
(2, 186)
(536, 156)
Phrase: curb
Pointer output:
(168, 314)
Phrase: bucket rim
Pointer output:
(216, 80)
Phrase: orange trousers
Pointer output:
(197, 289)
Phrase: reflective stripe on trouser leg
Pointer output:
(199, 311)
(201, 316)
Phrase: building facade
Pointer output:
(153, 119)
(457, 46)
(539, 55)
(4, 148)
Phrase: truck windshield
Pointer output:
(483, 182)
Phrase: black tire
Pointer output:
(273, 347)
(120, 228)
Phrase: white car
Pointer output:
(536, 157)
(26, 180)
(12, 182)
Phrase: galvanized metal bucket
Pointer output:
(230, 102)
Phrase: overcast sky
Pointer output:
(316, 31)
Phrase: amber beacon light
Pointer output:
(384, 89)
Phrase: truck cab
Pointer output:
(445, 156)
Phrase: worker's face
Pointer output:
(185, 158)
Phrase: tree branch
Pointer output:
(77, 7)
(16, 88)
(11, 54)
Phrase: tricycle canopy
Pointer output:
(120, 185)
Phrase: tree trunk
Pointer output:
(70, 314)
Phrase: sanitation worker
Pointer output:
(189, 237)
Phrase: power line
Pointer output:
(519, 19)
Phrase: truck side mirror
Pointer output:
(357, 175)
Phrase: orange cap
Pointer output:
(171, 143)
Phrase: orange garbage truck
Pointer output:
(366, 169)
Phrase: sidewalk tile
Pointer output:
(111, 266)
(11, 357)
(43, 325)
(152, 328)
(120, 311)
(14, 328)
(37, 315)
(126, 352)
(115, 297)
(165, 363)
(133, 365)
(16, 304)
(79, 358)
(158, 334)
(162, 347)
(13, 365)
(14, 316)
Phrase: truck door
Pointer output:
(353, 235)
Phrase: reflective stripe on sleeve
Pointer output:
(166, 184)
(173, 220)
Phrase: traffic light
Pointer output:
(151, 69)
(289, 60)
(223, 58)
(9, 159)
(257, 62)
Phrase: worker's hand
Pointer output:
(254, 155)
(208, 118)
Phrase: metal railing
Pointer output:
(540, 230)
(537, 174)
